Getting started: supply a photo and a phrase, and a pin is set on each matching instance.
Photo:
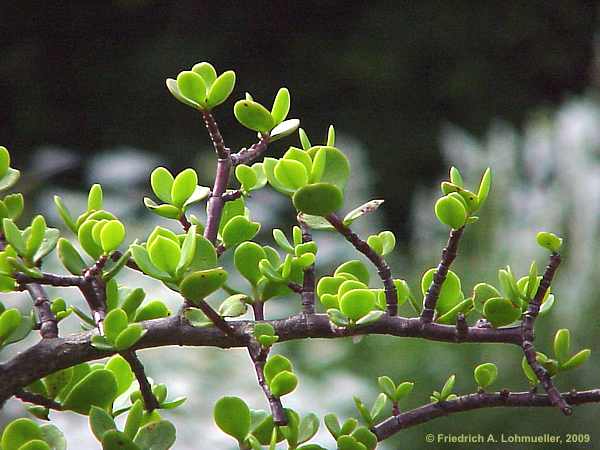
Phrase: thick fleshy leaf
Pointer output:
(155, 309)
(269, 169)
(331, 166)
(357, 303)
(501, 312)
(114, 323)
(238, 230)
(254, 116)
(161, 181)
(165, 254)
(318, 199)
(232, 416)
(70, 257)
(485, 374)
(221, 89)
(53, 437)
(356, 268)
(451, 212)
(281, 106)
(129, 336)
(284, 129)
(122, 372)
(112, 236)
(10, 320)
(291, 173)
(562, 345)
(4, 160)
(207, 71)
(117, 440)
(188, 250)
(232, 209)
(14, 205)
(246, 176)
(183, 187)
(576, 360)
(14, 236)
(99, 388)
(283, 383)
(86, 239)
(142, 259)
(57, 381)
(101, 422)
(192, 87)
(549, 241)
(166, 211)
(246, 258)
(360, 211)
(276, 364)
(159, 435)
(484, 187)
(95, 198)
(234, 306)
(19, 432)
(482, 292)
(198, 285)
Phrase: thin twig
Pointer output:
(249, 155)
(150, 401)
(433, 293)
(527, 328)
(470, 402)
(37, 399)
(308, 282)
(50, 279)
(383, 269)
(215, 318)
(41, 303)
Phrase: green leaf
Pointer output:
(197, 318)
(283, 383)
(365, 437)
(448, 387)
(36, 235)
(10, 320)
(166, 211)
(159, 435)
(562, 345)
(485, 374)
(198, 285)
(304, 139)
(207, 72)
(230, 210)
(86, 239)
(19, 432)
(95, 198)
(164, 254)
(254, 116)
(482, 292)
(129, 336)
(221, 89)
(549, 241)
(188, 251)
(355, 268)
(501, 312)
(234, 306)
(276, 364)
(155, 309)
(450, 317)
(161, 181)
(246, 259)
(349, 443)
(378, 406)
(357, 303)
(281, 106)
(484, 187)
(116, 440)
(121, 371)
(370, 318)
(65, 215)
(455, 177)
(4, 160)
(238, 230)
(53, 437)
(9, 179)
(183, 187)
(291, 173)
(14, 205)
(101, 422)
(134, 419)
(142, 259)
(330, 165)
(57, 381)
(99, 388)
(309, 425)
(192, 87)
(284, 129)
(232, 416)
(14, 236)
(114, 323)
(282, 241)
(403, 390)
(246, 176)
(451, 212)
(318, 199)
(70, 257)
(37, 444)
(331, 136)
(112, 236)
(576, 360)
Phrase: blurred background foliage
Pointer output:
(412, 89)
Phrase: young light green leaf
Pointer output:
(238, 230)
(183, 187)
(485, 374)
(281, 106)
(318, 199)
(95, 198)
(549, 241)
(221, 89)
(562, 345)
(451, 212)
(254, 116)
(232, 416)
(198, 285)
(161, 181)
(357, 303)
(283, 383)
(246, 258)
(192, 87)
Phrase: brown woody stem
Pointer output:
(433, 293)
(150, 402)
(383, 269)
